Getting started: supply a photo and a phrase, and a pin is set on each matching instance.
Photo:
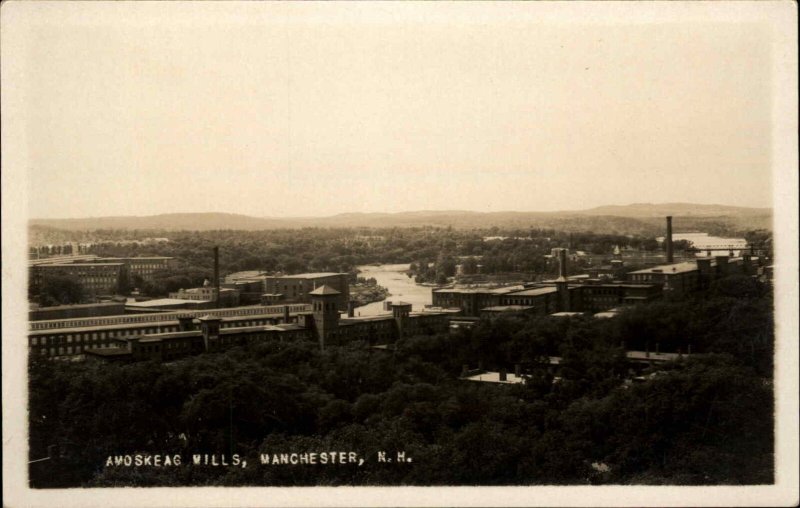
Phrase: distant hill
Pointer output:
(627, 219)
(677, 209)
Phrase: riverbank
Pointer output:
(365, 293)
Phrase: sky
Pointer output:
(312, 110)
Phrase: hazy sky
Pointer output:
(302, 109)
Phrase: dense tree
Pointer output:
(60, 290)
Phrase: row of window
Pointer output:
(81, 337)
(70, 350)
(143, 318)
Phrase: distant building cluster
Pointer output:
(98, 276)
(587, 293)
(310, 306)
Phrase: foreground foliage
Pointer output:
(702, 420)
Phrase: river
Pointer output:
(400, 286)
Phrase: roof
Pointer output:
(507, 308)
(138, 258)
(168, 318)
(652, 356)
(534, 292)
(401, 304)
(365, 319)
(165, 302)
(209, 317)
(606, 314)
(245, 274)
(76, 265)
(494, 377)
(313, 275)
(80, 306)
(484, 290)
(566, 314)
(324, 290)
(684, 267)
(435, 312)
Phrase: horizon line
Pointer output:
(450, 210)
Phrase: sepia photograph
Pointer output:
(399, 253)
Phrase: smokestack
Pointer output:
(216, 270)
(351, 307)
(503, 375)
(561, 282)
(285, 314)
(562, 263)
(668, 240)
(517, 370)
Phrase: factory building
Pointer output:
(143, 267)
(70, 337)
(322, 324)
(564, 294)
(249, 284)
(683, 278)
(76, 311)
(96, 278)
(297, 288)
(570, 294)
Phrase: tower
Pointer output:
(400, 313)
(209, 325)
(325, 311)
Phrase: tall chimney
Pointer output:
(216, 270)
(668, 240)
(561, 282)
(562, 264)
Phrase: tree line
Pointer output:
(705, 419)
